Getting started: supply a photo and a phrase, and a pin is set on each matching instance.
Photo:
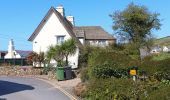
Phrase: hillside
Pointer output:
(163, 41)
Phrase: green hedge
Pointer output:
(107, 77)
(160, 69)
(108, 63)
(109, 89)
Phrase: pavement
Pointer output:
(35, 88)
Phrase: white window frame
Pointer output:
(102, 42)
(60, 39)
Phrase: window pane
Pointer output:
(102, 42)
(60, 39)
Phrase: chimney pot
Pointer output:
(71, 20)
(60, 9)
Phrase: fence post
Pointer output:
(22, 61)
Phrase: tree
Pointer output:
(36, 58)
(41, 58)
(135, 23)
(68, 48)
(58, 52)
(54, 52)
(29, 58)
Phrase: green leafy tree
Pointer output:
(59, 52)
(41, 58)
(54, 52)
(135, 23)
(36, 58)
(68, 48)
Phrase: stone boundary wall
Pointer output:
(20, 71)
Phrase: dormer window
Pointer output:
(60, 39)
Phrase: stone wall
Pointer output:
(20, 71)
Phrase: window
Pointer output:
(93, 42)
(102, 42)
(60, 39)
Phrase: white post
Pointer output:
(134, 77)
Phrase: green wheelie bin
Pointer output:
(60, 73)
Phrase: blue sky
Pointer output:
(19, 18)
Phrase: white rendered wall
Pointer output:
(96, 43)
(47, 37)
(81, 40)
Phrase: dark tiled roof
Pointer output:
(23, 53)
(92, 32)
(79, 33)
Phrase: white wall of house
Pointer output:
(48, 36)
(73, 60)
(81, 40)
(13, 54)
(165, 49)
(99, 42)
(11, 51)
(154, 51)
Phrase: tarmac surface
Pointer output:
(21, 88)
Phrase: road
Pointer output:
(20, 88)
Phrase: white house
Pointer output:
(156, 49)
(165, 49)
(12, 53)
(55, 28)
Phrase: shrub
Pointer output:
(79, 89)
(160, 69)
(107, 63)
(161, 56)
(85, 53)
(108, 70)
(162, 93)
(84, 74)
(48, 68)
(109, 89)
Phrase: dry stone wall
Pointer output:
(20, 71)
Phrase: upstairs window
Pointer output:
(60, 39)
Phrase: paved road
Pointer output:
(19, 88)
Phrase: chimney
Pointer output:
(60, 9)
(11, 50)
(11, 47)
(71, 20)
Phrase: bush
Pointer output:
(108, 70)
(162, 93)
(127, 89)
(84, 74)
(107, 77)
(108, 63)
(79, 89)
(84, 55)
(109, 89)
(160, 69)
(48, 68)
(161, 56)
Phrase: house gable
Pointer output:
(52, 25)
(65, 23)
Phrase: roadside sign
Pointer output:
(133, 72)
